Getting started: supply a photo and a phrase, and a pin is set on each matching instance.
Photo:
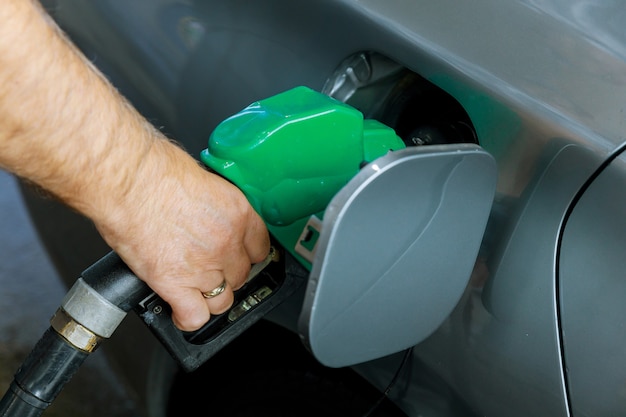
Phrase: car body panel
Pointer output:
(511, 322)
(543, 82)
(592, 292)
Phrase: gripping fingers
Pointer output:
(191, 309)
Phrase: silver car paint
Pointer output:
(544, 83)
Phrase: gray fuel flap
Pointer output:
(396, 249)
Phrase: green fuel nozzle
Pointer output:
(292, 152)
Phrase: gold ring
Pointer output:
(215, 291)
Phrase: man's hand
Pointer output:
(181, 229)
(184, 231)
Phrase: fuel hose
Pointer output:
(89, 314)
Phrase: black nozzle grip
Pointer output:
(114, 280)
(191, 349)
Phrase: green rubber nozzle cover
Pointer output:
(292, 152)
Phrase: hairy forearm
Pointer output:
(62, 125)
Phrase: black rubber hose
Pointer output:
(42, 376)
(16, 402)
(54, 361)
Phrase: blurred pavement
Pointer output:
(30, 292)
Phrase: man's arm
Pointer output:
(63, 127)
